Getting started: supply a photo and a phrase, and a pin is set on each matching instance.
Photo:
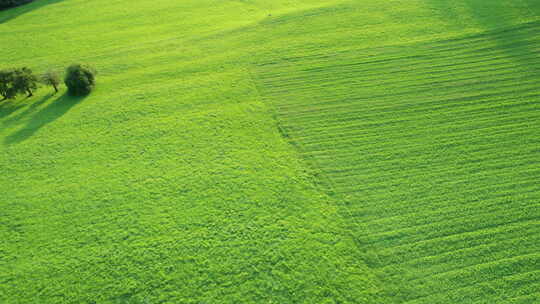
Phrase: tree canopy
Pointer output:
(51, 78)
(17, 81)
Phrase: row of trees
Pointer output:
(11, 3)
(79, 79)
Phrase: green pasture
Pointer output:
(284, 151)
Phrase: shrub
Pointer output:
(80, 79)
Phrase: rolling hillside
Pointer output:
(285, 151)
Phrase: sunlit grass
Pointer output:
(300, 151)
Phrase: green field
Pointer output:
(274, 151)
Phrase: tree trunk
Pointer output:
(29, 93)
(55, 88)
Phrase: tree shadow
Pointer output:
(517, 39)
(43, 117)
(497, 13)
(5, 113)
(15, 12)
(7, 107)
(444, 9)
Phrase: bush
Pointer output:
(80, 79)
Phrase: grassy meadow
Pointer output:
(284, 151)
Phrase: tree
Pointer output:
(51, 78)
(24, 81)
(80, 79)
(7, 91)
(17, 81)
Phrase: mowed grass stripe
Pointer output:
(503, 113)
(466, 167)
(398, 65)
(343, 75)
(476, 274)
(392, 211)
(414, 95)
(442, 262)
(436, 61)
(465, 242)
(421, 110)
(388, 55)
(474, 156)
(390, 222)
(444, 228)
(351, 128)
(430, 151)
(518, 287)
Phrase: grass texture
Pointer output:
(285, 151)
